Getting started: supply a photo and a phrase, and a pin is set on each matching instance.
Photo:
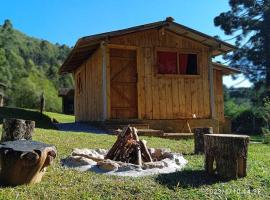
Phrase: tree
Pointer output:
(7, 25)
(249, 22)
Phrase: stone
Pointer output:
(77, 161)
(151, 165)
(108, 165)
(94, 154)
(159, 153)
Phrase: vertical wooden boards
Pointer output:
(162, 99)
(195, 101)
(148, 84)
(187, 89)
(169, 109)
(175, 99)
(108, 81)
(158, 96)
(218, 92)
(123, 78)
(181, 98)
(141, 83)
(88, 106)
(206, 83)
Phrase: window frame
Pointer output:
(178, 51)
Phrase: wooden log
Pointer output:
(121, 138)
(24, 161)
(145, 153)
(138, 148)
(229, 152)
(199, 139)
(17, 129)
(128, 148)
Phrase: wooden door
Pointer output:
(123, 81)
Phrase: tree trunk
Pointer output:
(228, 152)
(24, 161)
(199, 140)
(17, 129)
(266, 37)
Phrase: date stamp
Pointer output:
(232, 191)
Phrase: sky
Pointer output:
(64, 21)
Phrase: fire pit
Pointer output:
(129, 156)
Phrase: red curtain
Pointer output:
(167, 62)
(183, 63)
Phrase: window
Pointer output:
(173, 62)
(167, 62)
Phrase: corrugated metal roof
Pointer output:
(226, 70)
(87, 45)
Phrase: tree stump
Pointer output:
(24, 161)
(228, 152)
(17, 129)
(199, 139)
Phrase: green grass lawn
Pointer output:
(61, 118)
(191, 183)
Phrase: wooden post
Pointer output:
(42, 102)
(17, 129)
(229, 152)
(211, 86)
(199, 140)
(104, 80)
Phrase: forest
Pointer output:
(29, 66)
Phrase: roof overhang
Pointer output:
(87, 45)
(226, 70)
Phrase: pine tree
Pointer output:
(249, 22)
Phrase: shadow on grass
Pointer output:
(42, 121)
(186, 178)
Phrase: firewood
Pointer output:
(128, 148)
(138, 148)
(146, 155)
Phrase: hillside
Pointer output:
(29, 66)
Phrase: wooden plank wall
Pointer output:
(218, 93)
(168, 97)
(89, 103)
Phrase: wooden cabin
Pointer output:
(67, 95)
(2, 93)
(160, 73)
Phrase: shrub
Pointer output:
(248, 122)
(266, 139)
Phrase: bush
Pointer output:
(266, 139)
(266, 134)
(232, 110)
(248, 122)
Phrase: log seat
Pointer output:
(228, 153)
(24, 161)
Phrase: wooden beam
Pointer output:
(211, 86)
(104, 80)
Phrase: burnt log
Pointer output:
(17, 129)
(199, 139)
(24, 161)
(228, 153)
